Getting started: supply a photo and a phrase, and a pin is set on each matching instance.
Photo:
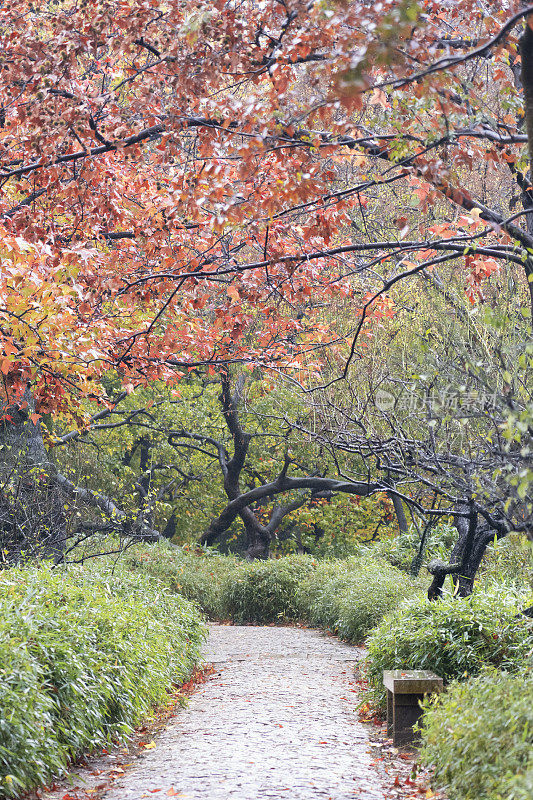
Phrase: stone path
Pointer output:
(276, 720)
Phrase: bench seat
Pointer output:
(405, 689)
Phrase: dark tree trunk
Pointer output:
(400, 512)
(465, 558)
(170, 528)
(416, 563)
(467, 529)
(258, 537)
(309, 488)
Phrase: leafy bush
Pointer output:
(376, 588)
(400, 550)
(84, 655)
(315, 603)
(508, 561)
(521, 786)
(454, 637)
(265, 591)
(206, 580)
(479, 738)
(350, 597)
(201, 576)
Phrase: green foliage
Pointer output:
(117, 460)
(375, 589)
(206, 580)
(454, 637)
(521, 786)
(350, 597)
(486, 750)
(509, 561)
(143, 449)
(315, 604)
(265, 591)
(202, 576)
(401, 550)
(84, 656)
(316, 527)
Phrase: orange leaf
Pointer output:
(233, 292)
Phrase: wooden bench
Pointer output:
(405, 690)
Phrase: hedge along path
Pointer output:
(277, 719)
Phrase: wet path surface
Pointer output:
(276, 720)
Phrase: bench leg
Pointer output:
(390, 713)
(406, 712)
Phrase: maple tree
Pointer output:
(191, 185)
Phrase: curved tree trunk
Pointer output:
(465, 558)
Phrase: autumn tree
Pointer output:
(192, 185)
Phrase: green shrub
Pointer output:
(479, 738)
(84, 656)
(377, 588)
(454, 637)
(400, 550)
(200, 576)
(508, 561)
(521, 786)
(316, 605)
(206, 580)
(265, 591)
(350, 597)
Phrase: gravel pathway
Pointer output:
(276, 720)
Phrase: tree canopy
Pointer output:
(284, 186)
